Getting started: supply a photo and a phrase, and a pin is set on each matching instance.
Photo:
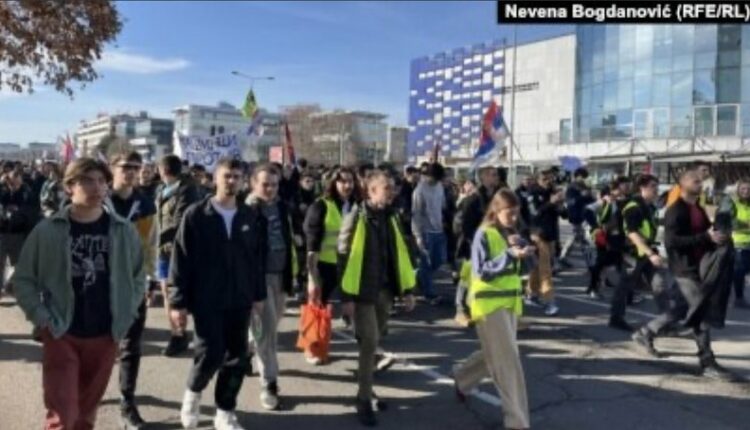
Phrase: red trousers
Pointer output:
(75, 374)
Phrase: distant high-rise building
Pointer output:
(397, 147)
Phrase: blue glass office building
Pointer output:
(661, 82)
(656, 85)
(449, 92)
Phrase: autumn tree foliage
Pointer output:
(53, 42)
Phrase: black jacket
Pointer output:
(20, 210)
(544, 216)
(171, 209)
(469, 216)
(314, 224)
(379, 265)
(210, 272)
(286, 230)
(682, 243)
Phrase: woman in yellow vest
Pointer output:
(321, 227)
(498, 257)
(375, 266)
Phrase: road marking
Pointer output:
(635, 311)
(430, 372)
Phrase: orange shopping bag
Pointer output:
(315, 330)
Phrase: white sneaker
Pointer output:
(551, 310)
(269, 397)
(226, 420)
(315, 361)
(191, 410)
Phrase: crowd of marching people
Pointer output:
(93, 245)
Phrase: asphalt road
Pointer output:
(580, 375)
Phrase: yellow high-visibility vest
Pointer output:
(647, 229)
(331, 227)
(741, 236)
(351, 280)
(502, 292)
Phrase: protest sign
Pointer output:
(207, 151)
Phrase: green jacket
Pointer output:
(42, 278)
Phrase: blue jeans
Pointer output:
(741, 269)
(429, 262)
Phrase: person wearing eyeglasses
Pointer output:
(80, 280)
(137, 208)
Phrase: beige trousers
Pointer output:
(498, 358)
(540, 278)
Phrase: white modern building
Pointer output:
(540, 117)
(91, 133)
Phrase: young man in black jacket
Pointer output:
(608, 236)
(140, 210)
(375, 265)
(545, 208)
(578, 196)
(216, 274)
(640, 254)
(689, 237)
(172, 200)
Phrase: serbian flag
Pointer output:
(67, 152)
(492, 139)
(289, 146)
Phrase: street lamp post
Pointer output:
(252, 79)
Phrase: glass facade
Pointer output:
(661, 81)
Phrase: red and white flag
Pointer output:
(289, 146)
(67, 151)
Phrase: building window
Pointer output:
(682, 89)
(726, 120)
(661, 122)
(706, 38)
(728, 85)
(745, 112)
(682, 122)
(641, 124)
(565, 131)
(221, 129)
(704, 121)
(212, 131)
(661, 91)
(704, 87)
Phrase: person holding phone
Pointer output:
(499, 256)
(689, 237)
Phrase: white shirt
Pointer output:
(227, 215)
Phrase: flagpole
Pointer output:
(511, 171)
(283, 148)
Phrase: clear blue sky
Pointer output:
(350, 55)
